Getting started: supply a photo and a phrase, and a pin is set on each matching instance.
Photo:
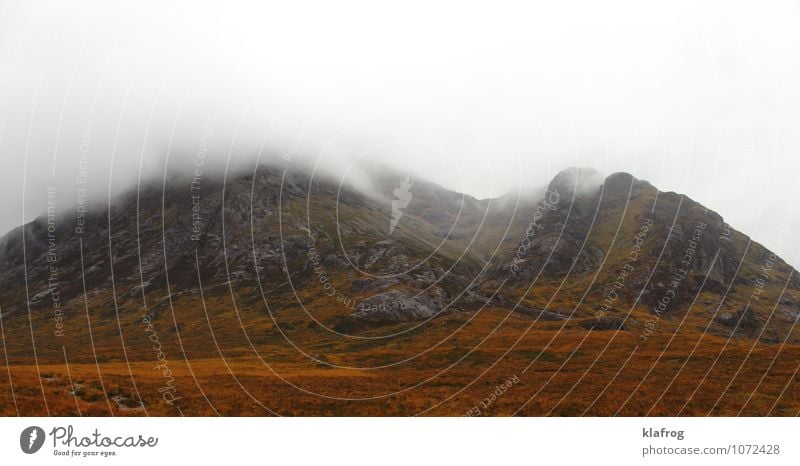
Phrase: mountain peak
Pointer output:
(577, 181)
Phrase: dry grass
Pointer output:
(575, 373)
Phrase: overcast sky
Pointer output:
(696, 97)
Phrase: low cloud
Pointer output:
(698, 99)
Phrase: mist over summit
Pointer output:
(481, 114)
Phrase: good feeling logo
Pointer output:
(32, 439)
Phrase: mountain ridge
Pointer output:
(451, 252)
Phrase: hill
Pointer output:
(337, 297)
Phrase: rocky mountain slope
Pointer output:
(266, 254)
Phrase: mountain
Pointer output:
(298, 267)
(626, 250)
(298, 242)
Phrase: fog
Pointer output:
(699, 98)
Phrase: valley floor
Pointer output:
(514, 370)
